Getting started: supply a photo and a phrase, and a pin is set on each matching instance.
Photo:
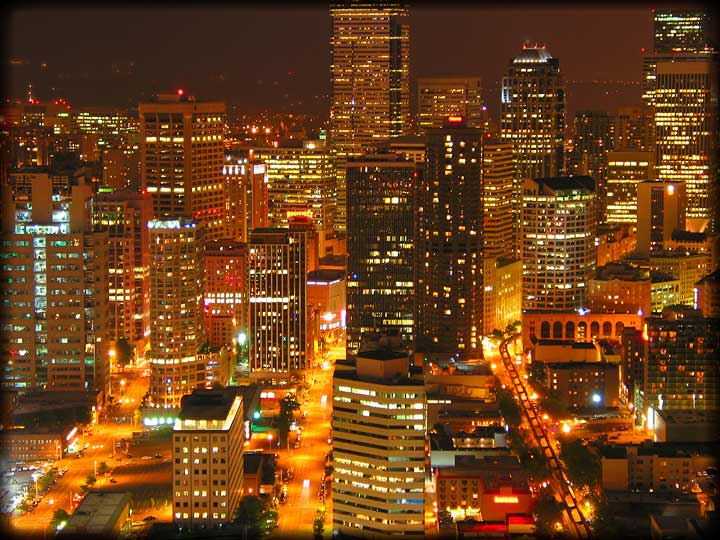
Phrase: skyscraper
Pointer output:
(246, 186)
(54, 318)
(381, 246)
(181, 160)
(533, 112)
(225, 295)
(439, 98)
(683, 30)
(532, 118)
(125, 215)
(370, 81)
(660, 212)
(498, 174)
(686, 110)
(558, 246)
(450, 244)
(379, 423)
(625, 170)
(276, 289)
(301, 181)
(177, 317)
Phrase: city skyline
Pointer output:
(287, 55)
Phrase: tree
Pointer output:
(508, 407)
(547, 512)
(250, 514)
(125, 352)
(288, 405)
(90, 480)
(554, 406)
(58, 517)
(319, 524)
(103, 468)
(584, 467)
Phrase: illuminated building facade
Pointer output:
(225, 301)
(439, 98)
(276, 289)
(177, 316)
(582, 385)
(533, 114)
(681, 360)
(125, 215)
(182, 155)
(660, 212)
(381, 246)
(686, 109)
(708, 294)
(54, 318)
(632, 131)
(498, 173)
(450, 243)
(685, 266)
(121, 167)
(682, 30)
(246, 185)
(625, 169)
(558, 242)
(208, 458)
(370, 77)
(379, 424)
(593, 137)
(301, 182)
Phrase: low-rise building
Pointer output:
(101, 514)
(582, 385)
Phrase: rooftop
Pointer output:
(207, 404)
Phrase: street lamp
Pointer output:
(269, 438)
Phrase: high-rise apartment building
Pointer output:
(378, 422)
(208, 458)
(301, 182)
(681, 360)
(660, 212)
(450, 243)
(686, 109)
(125, 215)
(246, 187)
(558, 242)
(182, 155)
(625, 170)
(440, 97)
(381, 246)
(370, 74)
(177, 316)
(276, 289)
(54, 319)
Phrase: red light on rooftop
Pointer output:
(643, 49)
(181, 92)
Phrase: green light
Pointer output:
(256, 415)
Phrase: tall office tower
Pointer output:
(707, 294)
(121, 168)
(681, 360)
(246, 185)
(683, 30)
(208, 458)
(182, 155)
(498, 173)
(301, 181)
(686, 110)
(54, 319)
(533, 118)
(450, 244)
(276, 289)
(593, 138)
(378, 422)
(439, 98)
(177, 316)
(660, 211)
(370, 73)
(558, 247)
(625, 170)
(381, 246)
(125, 215)
(225, 301)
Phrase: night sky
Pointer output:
(278, 57)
